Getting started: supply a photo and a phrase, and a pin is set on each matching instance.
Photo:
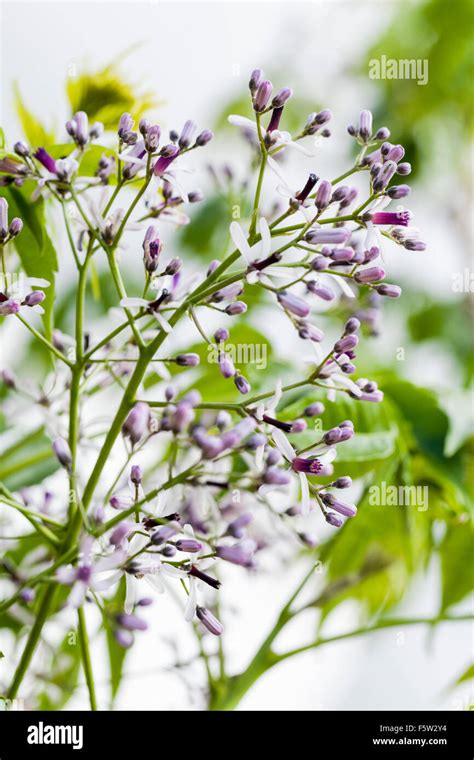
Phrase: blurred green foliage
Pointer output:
(441, 33)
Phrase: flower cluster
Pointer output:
(232, 475)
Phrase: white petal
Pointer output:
(191, 602)
(242, 121)
(130, 592)
(275, 399)
(305, 503)
(275, 168)
(164, 324)
(266, 238)
(283, 444)
(77, 595)
(132, 302)
(240, 241)
(38, 282)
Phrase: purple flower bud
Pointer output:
(242, 384)
(332, 436)
(310, 183)
(131, 622)
(255, 79)
(236, 527)
(395, 153)
(238, 307)
(400, 218)
(27, 595)
(9, 306)
(282, 97)
(209, 621)
(274, 123)
(348, 510)
(166, 532)
(340, 193)
(314, 410)
(398, 191)
(323, 196)
(195, 196)
(307, 331)
(310, 465)
(319, 263)
(226, 365)
(293, 304)
(188, 545)
(322, 117)
(262, 95)
(21, 149)
(342, 254)
(404, 168)
(173, 266)
(63, 452)
(373, 274)
(333, 519)
(346, 433)
(322, 236)
(371, 255)
(204, 137)
(34, 298)
(187, 360)
(187, 134)
(414, 245)
(182, 416)
(320, 290)
(123, 638)
(365, 125)
(343, 482)
(121, 532)
(96, 130)
(238, 554)
(391, 291)
(382, 134)
(136, 424)
(136, 474)
(121, 501)
(145, 602)
(351, 326)
(125, 124)
(82, 128)
(16, 226)
(299, 426)
(152, 137)
(346, 343)
(221, 335)
(212, 267)
(384, 176)
(143, 127)
(228, 293)
(276, 477)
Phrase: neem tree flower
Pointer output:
(176, 524)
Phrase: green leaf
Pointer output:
(116, 653)
(468, 675)
(104, 95)
(62, 675)
(28, 461)
(33, 244)
(457, 551)
(34, 131)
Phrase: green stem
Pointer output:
(86, 657)
(35, 633)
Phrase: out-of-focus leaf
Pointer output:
(35, 132)
(33, 244)
(61, 680)
(468, 675)
(27, 462)
(117, 653)
(208, 235)
(104, 95)
(457, 551)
